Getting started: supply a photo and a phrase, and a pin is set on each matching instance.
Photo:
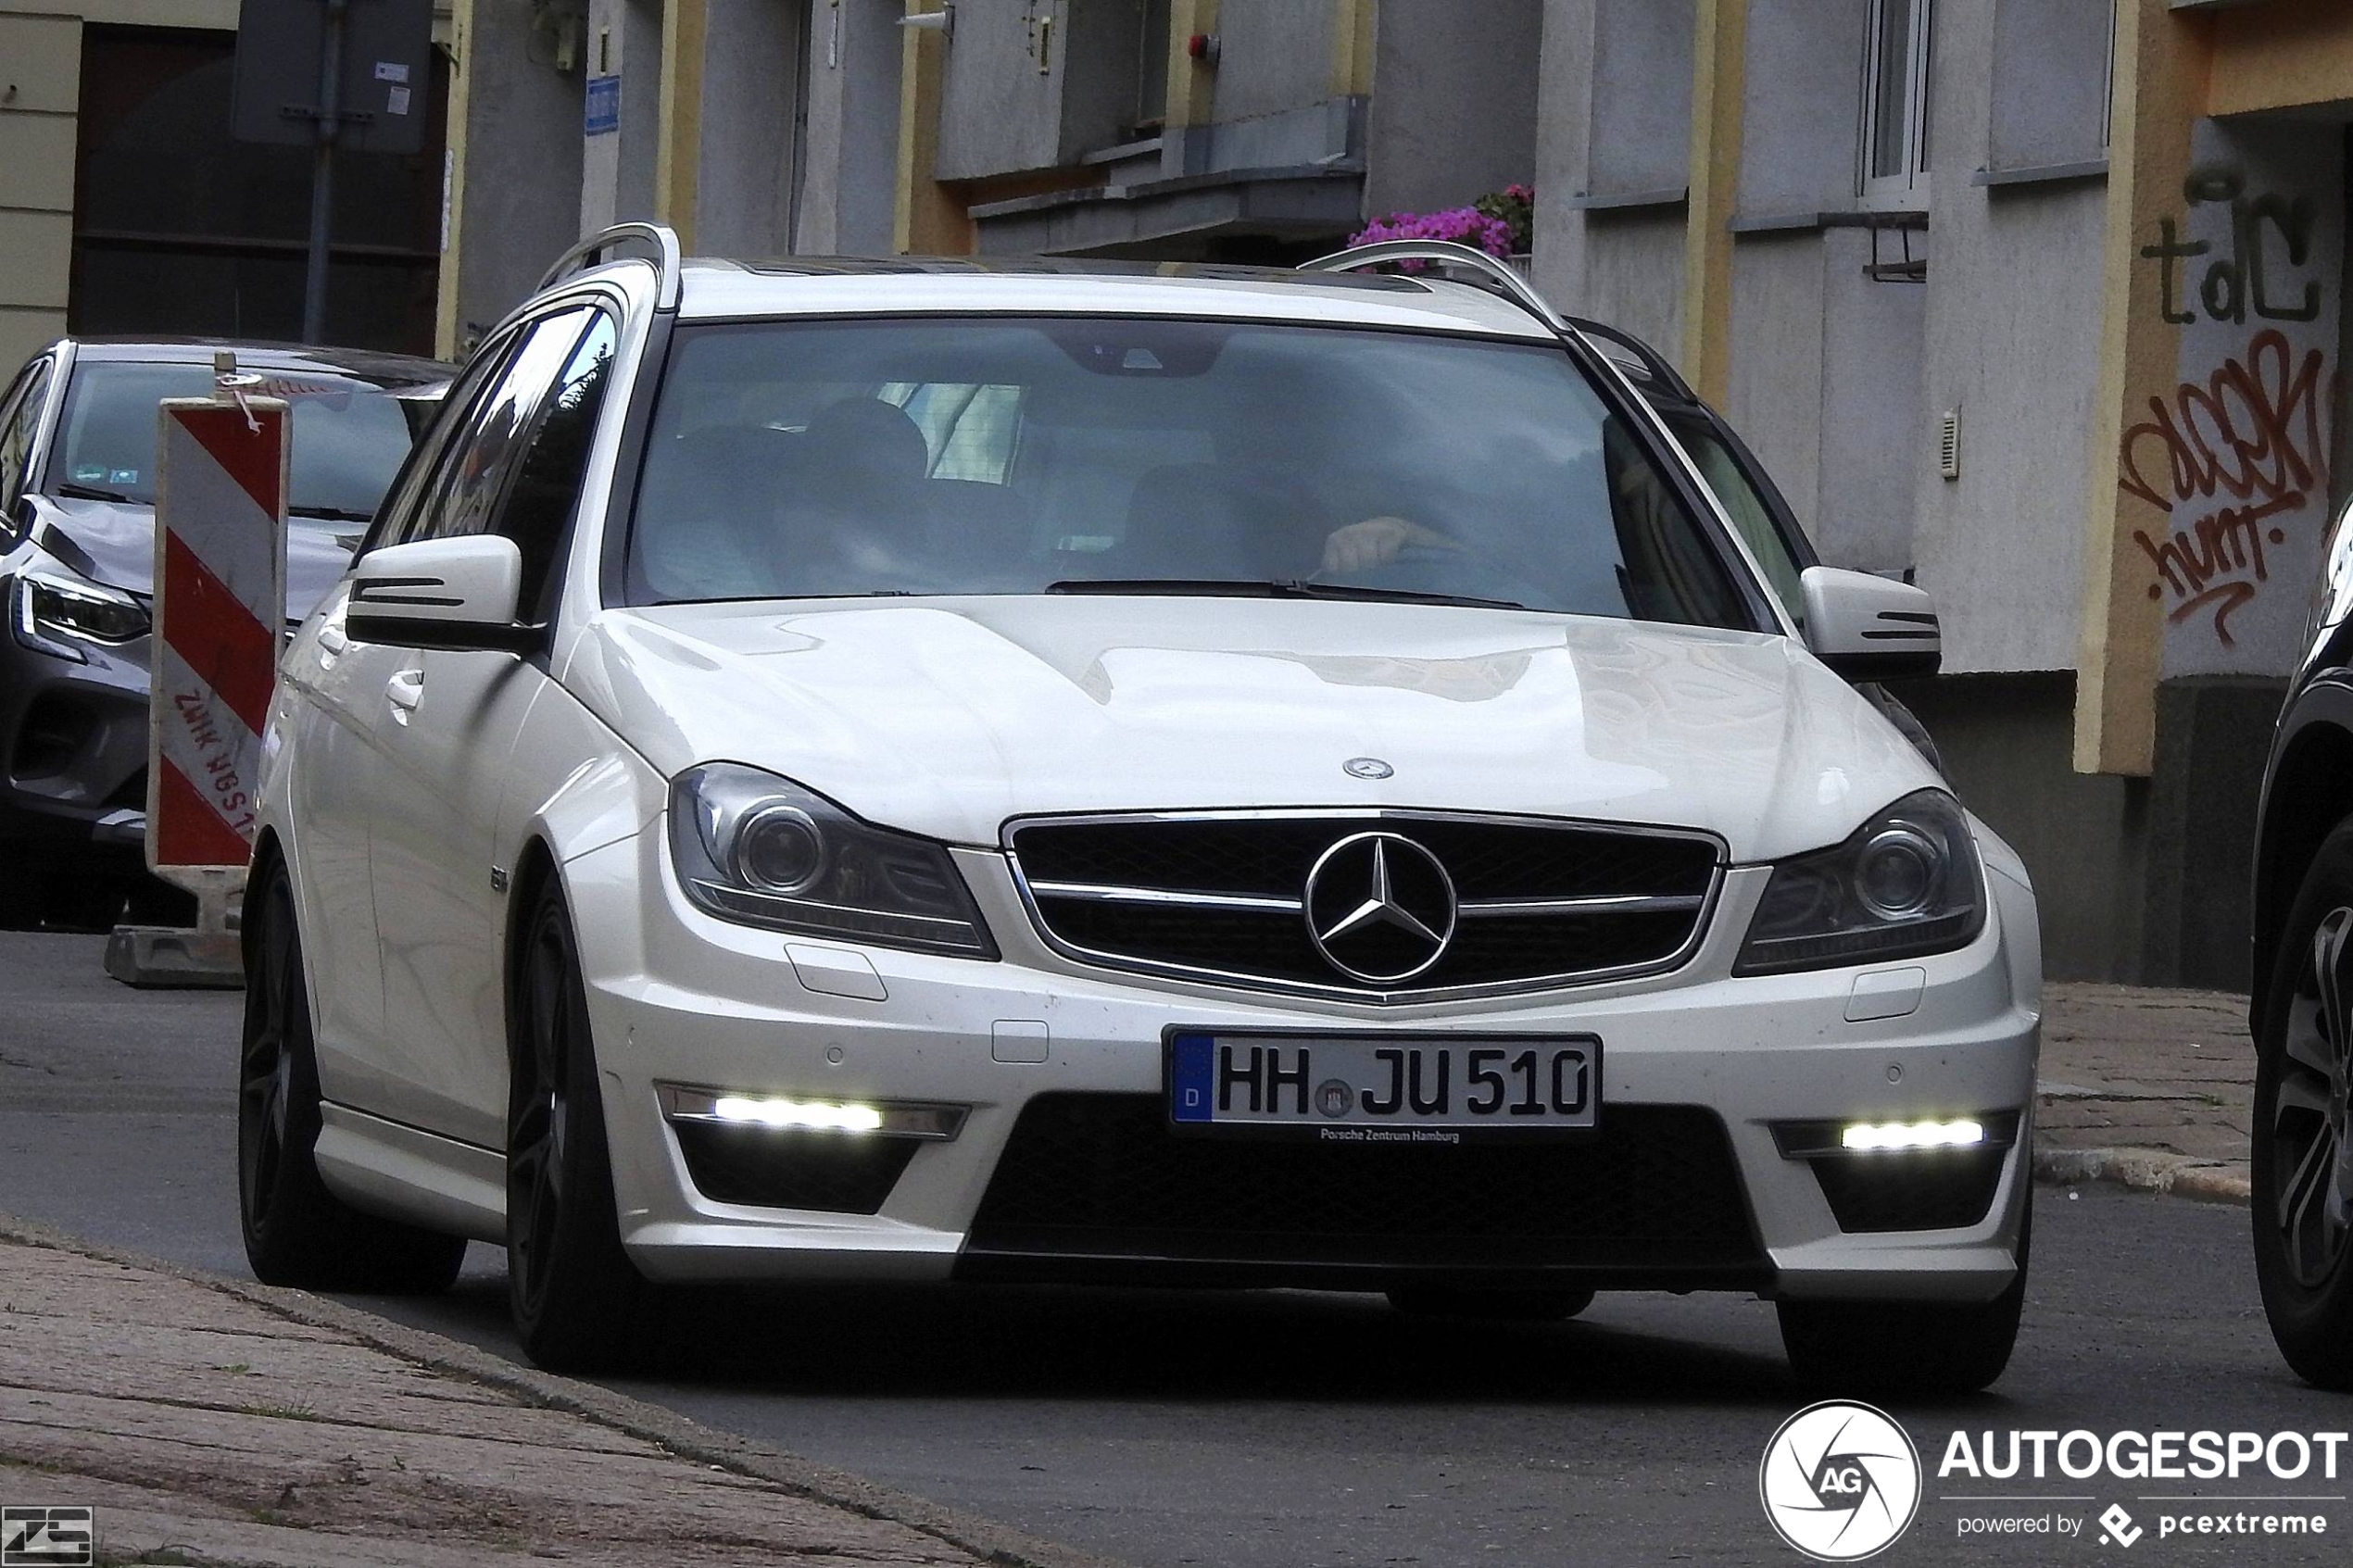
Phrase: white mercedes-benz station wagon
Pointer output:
(1177, 776)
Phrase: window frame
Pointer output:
(23, 404)
(551, 588)
(529, 402)
(1909, 189)
(417, 475)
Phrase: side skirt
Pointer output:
(406, 1174)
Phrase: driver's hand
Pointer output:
(1377, 541)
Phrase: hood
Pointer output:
(114, 543)
(947, 717)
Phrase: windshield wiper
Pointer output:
(1272, 588)
(72, 492)
(1227, 586)
(331, 514)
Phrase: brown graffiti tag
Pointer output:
(2250, 432)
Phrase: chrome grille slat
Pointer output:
(1221, 896)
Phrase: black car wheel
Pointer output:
(2301, 1163)
(296, 1232)
(579, 1304)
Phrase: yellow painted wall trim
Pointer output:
(678, 148)
(2160, 76)
(926, 218)
(1191, 88)
(1719, 50)
(445, 315)
(2281, 54)
(1352, 48)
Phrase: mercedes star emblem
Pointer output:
(1366, 768)
(1380, 908)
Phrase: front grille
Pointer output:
(1226, 897)
(778, 1168)
(1101, 1177)
(1930, 1190)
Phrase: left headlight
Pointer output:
(52, 613)
(760, 850)
(1903, 883)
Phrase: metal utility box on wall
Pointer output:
(1033, 84)
(387, 59)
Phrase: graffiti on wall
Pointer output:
(2248, 444)
(2234, 455)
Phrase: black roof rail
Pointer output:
(660, 238)
(1654, 363)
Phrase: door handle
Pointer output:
(332, 640)
(404, 692)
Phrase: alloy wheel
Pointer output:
(539, 1122)
(265, 1067)
(2310, 1149)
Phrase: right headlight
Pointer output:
(760, 850)
(1903, 883)
(54, 613)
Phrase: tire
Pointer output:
(1500, 1306)
(296, 1232)
(579, 1304)
(1905, 1349)
(2300, 1161)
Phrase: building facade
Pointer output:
(2041, 302)
(126, 206)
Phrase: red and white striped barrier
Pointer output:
(220, 605)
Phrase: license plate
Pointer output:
(1429, 1090)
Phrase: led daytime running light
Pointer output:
(1873, 1137)
(799, 1113)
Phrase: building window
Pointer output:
(1896, 102)
(1152, 66)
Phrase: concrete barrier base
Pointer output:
(161, 958)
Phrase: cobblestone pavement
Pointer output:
(2147, 1086)
(203, 1426)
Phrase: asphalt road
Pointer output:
(1254, 1431)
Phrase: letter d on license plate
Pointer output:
(1384, 1089)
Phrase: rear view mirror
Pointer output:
(452, 594)
(1868, 628)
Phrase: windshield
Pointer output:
(349, 435)
(998, 456)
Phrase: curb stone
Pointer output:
(677, 1433)
(2145, 1169)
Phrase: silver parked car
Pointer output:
(77, 545)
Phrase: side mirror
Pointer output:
(1868, 628)
(452, 594)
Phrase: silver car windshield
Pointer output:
(348, 438)
(1086, 454)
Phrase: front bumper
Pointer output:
(678, 998)
(73, 746)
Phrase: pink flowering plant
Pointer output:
(1498, 223)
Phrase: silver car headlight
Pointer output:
(1903, 883)
(760, 850)
(53, 612)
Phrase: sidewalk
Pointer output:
(2147, 1088)
(203, 1426)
